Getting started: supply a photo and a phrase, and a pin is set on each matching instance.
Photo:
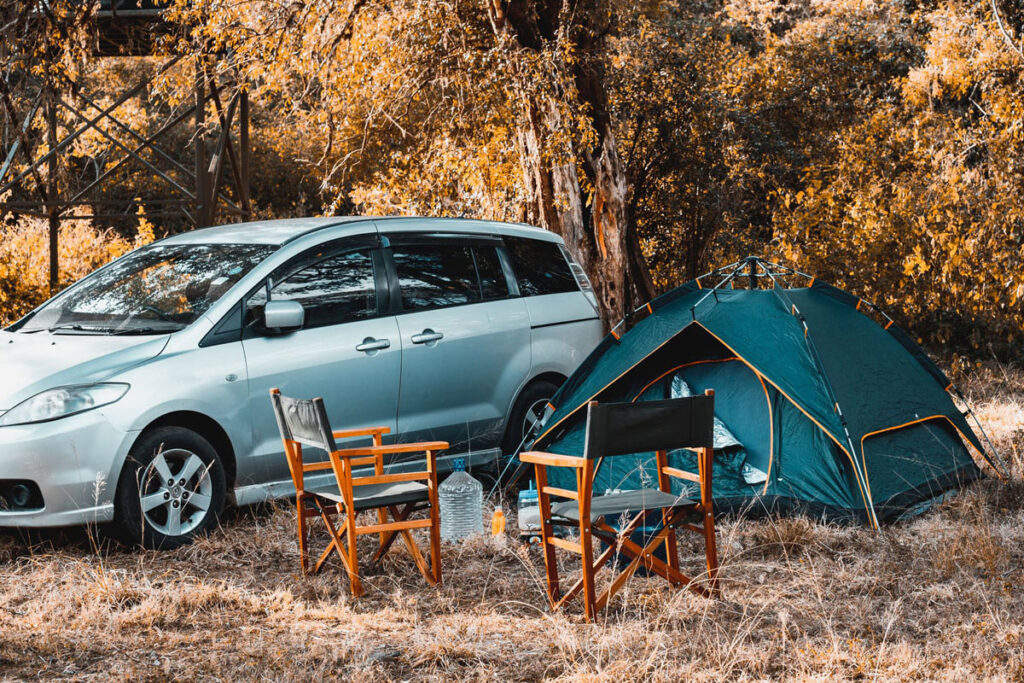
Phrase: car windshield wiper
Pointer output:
(77, 327)
(110, 331)
(140, 330)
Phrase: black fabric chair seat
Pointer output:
(616, 503)
(378, 495)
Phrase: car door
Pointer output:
(348, 351)
(465, 339)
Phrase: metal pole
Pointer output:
(202, 173)
(53, 210)
(243, 152)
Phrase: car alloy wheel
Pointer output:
(533, 416)
(175, 492)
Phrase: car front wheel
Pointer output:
(172, 488)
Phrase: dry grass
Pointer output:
(939, 598)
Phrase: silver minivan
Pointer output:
(139, 395)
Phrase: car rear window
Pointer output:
(435, 275)
(540, 267)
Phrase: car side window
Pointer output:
(540, 267)
(493, 284)
(332, 290)
(435, 275)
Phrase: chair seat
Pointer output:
(378, 495)
(617, 503)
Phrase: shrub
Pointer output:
(24, 259)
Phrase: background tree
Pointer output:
(875, 143)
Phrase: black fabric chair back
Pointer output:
(624, 428)
(304, 421)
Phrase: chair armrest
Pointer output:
(680, 474)
(366, 431)
(390, 478)
(552, 459)
(421, 447)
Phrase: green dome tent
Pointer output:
(820, 409)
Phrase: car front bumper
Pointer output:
(73, 460)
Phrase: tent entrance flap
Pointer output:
(742, 402)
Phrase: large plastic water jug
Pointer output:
(461, 498)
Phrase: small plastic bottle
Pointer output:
(498, 522)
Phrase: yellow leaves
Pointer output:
(24, 259)
(914, 264)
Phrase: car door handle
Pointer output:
(426, 336)
(371, 344)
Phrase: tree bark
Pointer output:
(599, 230)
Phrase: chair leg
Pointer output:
(646, 555)
(353, 559)
(619, 541)
(589, 595)
(331, 547)
(382, 518)
(583, 489)
(671, 544)
(300, 505)
(435, 518)
(577, 586)
(711, 549)
(546, 533)
(388, 537)
(417, 556)
(435, 538)
(618, 581)
(430, 572)
(335, 543)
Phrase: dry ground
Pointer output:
(940, 597)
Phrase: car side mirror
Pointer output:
(283, 316)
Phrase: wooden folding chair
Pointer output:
(304, 422)
(620, 429)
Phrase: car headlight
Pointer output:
(63, 401)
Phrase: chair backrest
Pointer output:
(624, 428)
(303, 420)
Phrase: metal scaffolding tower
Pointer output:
(45, 115)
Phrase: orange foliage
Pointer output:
(24, 259)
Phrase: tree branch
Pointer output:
(1006, 34)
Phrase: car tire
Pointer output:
(529, 407)
(172, 488)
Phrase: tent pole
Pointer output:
(1005, 473)
(998, 463)
(779, 291)
(738, 266)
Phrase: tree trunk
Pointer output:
(608, 215)
(600, 233)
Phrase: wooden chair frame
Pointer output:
(343, 536)
(620, 541)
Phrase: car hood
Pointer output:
(30, 363)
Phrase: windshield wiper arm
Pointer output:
(139, 330)
(77, 327)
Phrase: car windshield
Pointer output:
(154, 290)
